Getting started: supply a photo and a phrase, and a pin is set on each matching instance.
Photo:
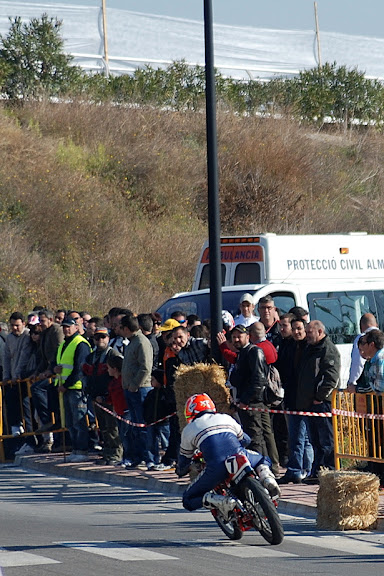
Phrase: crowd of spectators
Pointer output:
(110, 382)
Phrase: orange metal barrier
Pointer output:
(358, 426)
(24, 391)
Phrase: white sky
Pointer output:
(361, 17)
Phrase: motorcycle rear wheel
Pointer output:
(264, 514)
(230, 529)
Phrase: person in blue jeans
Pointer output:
(158, 404)
(136, 380)
(300, 450)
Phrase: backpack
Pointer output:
(273, 393)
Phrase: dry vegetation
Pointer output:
(105, 205)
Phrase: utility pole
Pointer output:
(213, 185)
(317, 36)
(105, 37)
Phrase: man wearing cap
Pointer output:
(165, 341)
(70, 357)
(247, 306)
(249, 378)
(97, 380)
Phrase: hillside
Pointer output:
(103, 205)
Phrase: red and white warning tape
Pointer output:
(339, 412)
(136, 424)
(295, 412)
(335, 412)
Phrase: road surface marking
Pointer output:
(9, 559)
(339, 544)
(249, 551)
(117, 551)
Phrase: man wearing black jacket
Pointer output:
(318, 376)
(249, 378)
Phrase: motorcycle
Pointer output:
(255, 509)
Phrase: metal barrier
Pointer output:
(24, 394)
(358, 426)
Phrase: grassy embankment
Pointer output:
(103, 206)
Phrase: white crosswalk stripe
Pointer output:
(117, 551)
(249, 551)
(338, 544)
(10, 558)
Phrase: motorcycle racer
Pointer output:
(217, 436)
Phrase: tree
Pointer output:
(338, 94)
(32, 60)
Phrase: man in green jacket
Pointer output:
(136, 379)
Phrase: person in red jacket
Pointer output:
(257, 337)
(117, 399)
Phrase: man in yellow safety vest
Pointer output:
(70, 357)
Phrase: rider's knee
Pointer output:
(187, 504)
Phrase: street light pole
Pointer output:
(213, 185)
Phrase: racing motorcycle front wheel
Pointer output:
(262, 510)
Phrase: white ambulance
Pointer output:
(337, 278)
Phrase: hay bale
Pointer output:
(347, 500)
(199, 378)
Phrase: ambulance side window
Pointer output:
(340, 312)
(247, 273)
(379, 299)
(204, 278)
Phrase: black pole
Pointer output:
(213, 185)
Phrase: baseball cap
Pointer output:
(68, 321)
(241, 328)
(101, 330)
(169, 324)
(247, 297)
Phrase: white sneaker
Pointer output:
(25, 449)
(162, 466)
(17, 430)
(225, 504)
(268, 480)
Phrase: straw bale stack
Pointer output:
(347, 500)
(199, 378)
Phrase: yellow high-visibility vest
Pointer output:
(66, 359)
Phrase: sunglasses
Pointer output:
(100, 336)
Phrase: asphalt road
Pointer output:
(58, 526)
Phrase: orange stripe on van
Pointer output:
(237, 254)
